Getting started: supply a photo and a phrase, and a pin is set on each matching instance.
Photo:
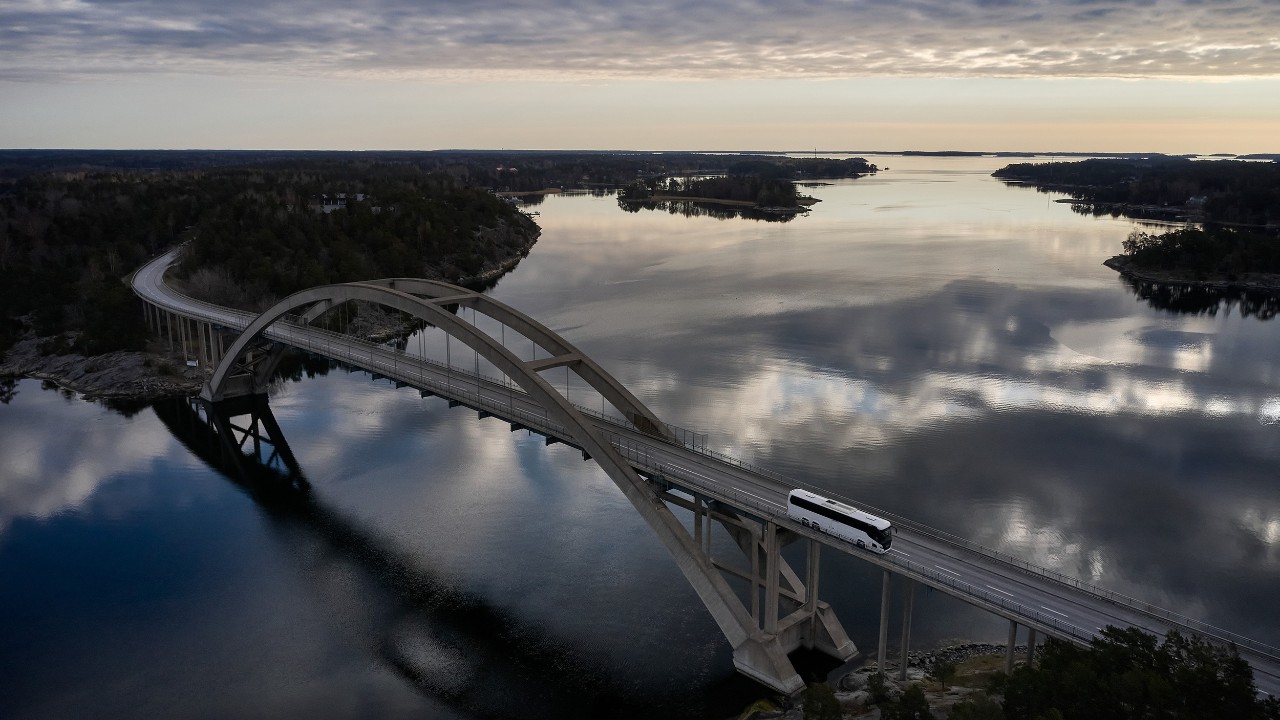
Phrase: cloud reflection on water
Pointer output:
(1140, 464)
(43, 475)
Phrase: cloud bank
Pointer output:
(42, 40)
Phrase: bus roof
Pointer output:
(877, 522)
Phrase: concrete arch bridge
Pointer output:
(765, 608)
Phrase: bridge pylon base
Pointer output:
(780, 611)
(763, 659)
(827, 635)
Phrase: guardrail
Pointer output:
(342, 347)
(1175, 619)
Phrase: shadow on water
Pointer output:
(450, 644)
(8, 388)
(1185, 299)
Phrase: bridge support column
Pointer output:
(907, 603)
(755, 586)
(771, 570)
(697, 520)
(706, 527)
(215, 346)
(1008, 648)
(202, 331)
(1031, 646)
(811, 591)
(882, 651)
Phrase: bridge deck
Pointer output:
(1050, 602)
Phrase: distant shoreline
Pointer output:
(520, 193)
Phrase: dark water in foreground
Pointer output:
(928, 341)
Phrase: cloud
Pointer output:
(44, 39)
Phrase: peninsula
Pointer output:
(262, 224)
(1232, 241)
(256, 230)
(1224, 192)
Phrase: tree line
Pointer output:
(1201, 252)
(763, 182)
(69, 234)
(763, 192)
(73, 222)
(1124, 674)
(1218, 191)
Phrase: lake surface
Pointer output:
(927, 340)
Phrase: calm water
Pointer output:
(927, 341)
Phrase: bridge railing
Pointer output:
(1175, 619)
(639, 453)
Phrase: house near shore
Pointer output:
(328, 203)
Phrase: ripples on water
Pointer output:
(927, 341)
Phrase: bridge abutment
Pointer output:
(783, 608)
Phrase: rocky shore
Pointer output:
(958, 654)
(134, 375)
(854, 694)
(1249, 282)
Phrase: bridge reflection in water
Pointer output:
(448, 643)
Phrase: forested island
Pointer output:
(1218, 191)
(767, 187)
(1232, 247)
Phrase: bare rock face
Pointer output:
(853, 682)
(115, 375)
(858, 698)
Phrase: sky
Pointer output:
(1176, 76)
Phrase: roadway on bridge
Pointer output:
(1034, 597)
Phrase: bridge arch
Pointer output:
(757, 653)
(406, 294)
(525, 374)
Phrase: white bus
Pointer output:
(843, 521)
